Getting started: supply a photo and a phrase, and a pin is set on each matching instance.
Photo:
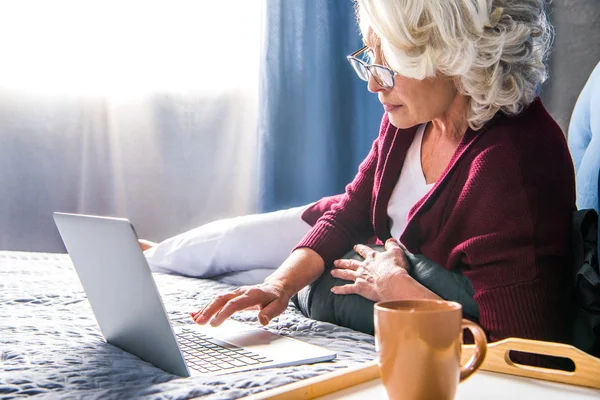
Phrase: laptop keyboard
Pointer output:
(206, 354)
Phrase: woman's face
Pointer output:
(411, 102)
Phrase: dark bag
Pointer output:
(585, 291)
(356, 312)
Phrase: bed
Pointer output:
(51, 346)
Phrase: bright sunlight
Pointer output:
(123, 48)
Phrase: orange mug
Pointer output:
(419, 345)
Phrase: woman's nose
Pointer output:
(373, 86)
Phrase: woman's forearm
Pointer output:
(301, 268)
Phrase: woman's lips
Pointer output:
(390, 107)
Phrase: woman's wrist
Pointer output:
(283, 287)
(405, 287)
(301, 268)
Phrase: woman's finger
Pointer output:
(234, 305)
(347, 264)
(346, 274)
(365, 251)
(213, 307)
(397, 249)
(271, 310)
(193, 314)
(392, 245)
(345, 289)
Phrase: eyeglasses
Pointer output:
(383, 75)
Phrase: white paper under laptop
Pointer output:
(125, 300)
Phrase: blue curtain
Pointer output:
(317, 119)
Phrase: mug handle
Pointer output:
(480, 349)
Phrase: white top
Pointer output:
(411, 186)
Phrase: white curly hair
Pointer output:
(494, 49)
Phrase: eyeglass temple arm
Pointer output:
(357, 52)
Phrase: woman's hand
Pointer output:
(270, 298)
(378, 277)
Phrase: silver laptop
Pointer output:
(125, 300)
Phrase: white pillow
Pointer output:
(258, 242)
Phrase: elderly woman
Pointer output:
(468, 169)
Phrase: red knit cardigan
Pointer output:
(500, 212)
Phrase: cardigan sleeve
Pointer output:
(348, 220)
(514, 221)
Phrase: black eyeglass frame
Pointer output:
(370, 68)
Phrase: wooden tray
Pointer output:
(587, 370)
(587, 367)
